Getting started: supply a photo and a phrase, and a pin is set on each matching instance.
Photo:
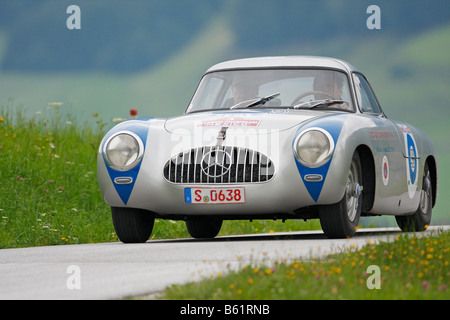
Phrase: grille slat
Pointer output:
(219, 165)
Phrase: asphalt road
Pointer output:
(116, 270)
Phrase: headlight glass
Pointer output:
(314, 147)
(123, 151)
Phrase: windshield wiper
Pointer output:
(254, 102)
(318, 103)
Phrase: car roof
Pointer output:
(284, 62)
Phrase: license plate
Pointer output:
(214, 195)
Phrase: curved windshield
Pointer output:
(273, 88)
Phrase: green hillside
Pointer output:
(124, 37)
(161, 91)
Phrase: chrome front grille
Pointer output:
(218, 164)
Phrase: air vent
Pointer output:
(218, 164)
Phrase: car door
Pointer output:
(387, 148)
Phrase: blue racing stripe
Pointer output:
(141, 129)
(333, 124)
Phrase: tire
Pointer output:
(204, 228)
(341, 220)
(132, 225)
(419, 220)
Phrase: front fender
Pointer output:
(326, 175)
(114, 193)
(348, 131)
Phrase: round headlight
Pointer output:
(123, 151)
(314, 147)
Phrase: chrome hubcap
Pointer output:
(425, 194)
(352, 192)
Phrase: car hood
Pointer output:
(251, 121)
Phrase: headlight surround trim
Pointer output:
(324, 158)
(123, 167)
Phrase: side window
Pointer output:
(365, 96)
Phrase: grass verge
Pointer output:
(410, 267)
(48, 192)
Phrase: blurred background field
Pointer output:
(150, 55)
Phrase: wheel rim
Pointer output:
(425, 194)
(352, 192)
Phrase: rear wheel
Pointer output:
(204, 228)
(340, 220)
(420, 219)
(132, 225)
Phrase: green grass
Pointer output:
(410, 267)
(48, 192)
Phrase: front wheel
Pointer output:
(132, 225)
(341, 220)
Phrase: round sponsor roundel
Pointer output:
(412, 154)
(385, 169)
(412, 160)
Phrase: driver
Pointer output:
(331, 85)
(243, 90)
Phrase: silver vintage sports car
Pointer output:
(270, 138)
